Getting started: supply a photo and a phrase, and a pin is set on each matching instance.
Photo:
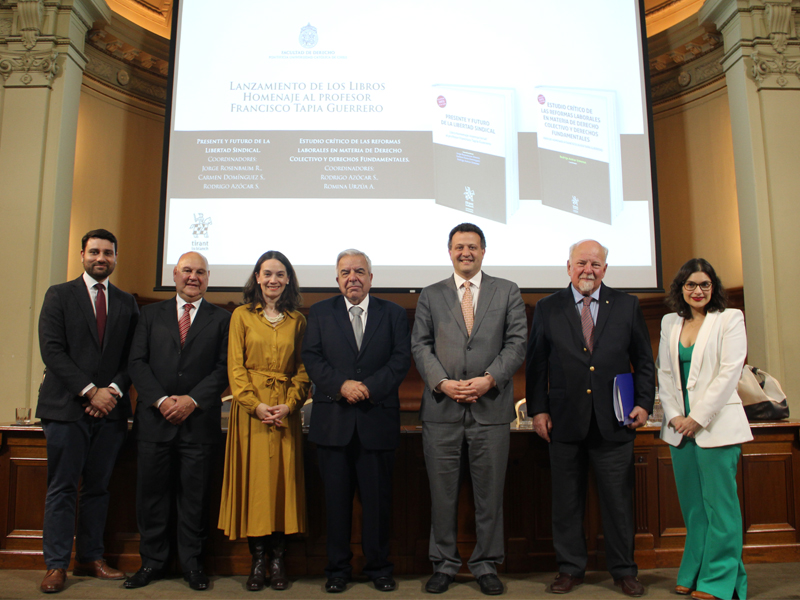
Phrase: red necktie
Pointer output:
(185, 322)
(100, 311)
(587, 323)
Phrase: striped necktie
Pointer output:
(587, 323)
(185, 322)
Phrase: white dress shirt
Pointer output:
(90, 283)
(476, 288)
(364, 305)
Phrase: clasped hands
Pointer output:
(176, 409)
(467, 391)
(685, 426)
(100, 401)
(354, 391)
(272, 415)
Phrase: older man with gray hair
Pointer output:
(582, 338)
(178, 363)
(357, 352)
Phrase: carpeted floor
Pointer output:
(765, 581)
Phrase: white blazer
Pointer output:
(717, 361)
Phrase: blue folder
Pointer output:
(623, 398)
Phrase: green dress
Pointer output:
(706, 483)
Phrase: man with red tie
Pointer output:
(581, 338)
(178, 364)
(85, 332)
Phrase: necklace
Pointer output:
(274, 320)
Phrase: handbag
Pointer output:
(761, 395)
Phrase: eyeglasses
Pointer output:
(691, 286)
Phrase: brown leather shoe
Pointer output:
(564, 583)
(682, 590)
(97, 568)
(703, 595)
(54, 580)
(630, 586)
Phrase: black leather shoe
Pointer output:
(490, 584)
(197, 580)
(334, 585)
(438, 583)
(385, 584)
(143, 577)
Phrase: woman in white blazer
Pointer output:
(701, 353)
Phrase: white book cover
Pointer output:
(476, 164)
(579, 151)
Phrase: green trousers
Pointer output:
(706, 482)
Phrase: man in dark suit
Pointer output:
(356, 351)
(85, 332)
(581, 338)
(468, 341)
(178, 365)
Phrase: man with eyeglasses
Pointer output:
(581, 338)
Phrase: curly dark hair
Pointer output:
(719, 298)
(290, 298)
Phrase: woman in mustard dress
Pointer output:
(263, 489)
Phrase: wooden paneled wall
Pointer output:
(769, 482)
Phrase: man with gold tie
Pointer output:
(468, 341)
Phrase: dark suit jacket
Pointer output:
(331, 357)
(159, 367)
(72, 354)
(442, 349)
(559, 370)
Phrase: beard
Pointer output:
(586, 286)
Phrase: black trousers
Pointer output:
(344, 468)
(612, 463)
(182, 471)
(78, 452)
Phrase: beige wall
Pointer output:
(697, 187)
(117, 182)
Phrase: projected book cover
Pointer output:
(579, 152)
(476, 167)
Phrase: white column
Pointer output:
(762, 71)
(41, 64)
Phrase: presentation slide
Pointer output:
(314, 126)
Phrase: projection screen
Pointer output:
(318, 125)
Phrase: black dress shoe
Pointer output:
(438, 583)
(334, 585)
(197, 580)
(385, 584)
(143, 577)
(490, 584)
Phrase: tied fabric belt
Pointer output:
(276, 384)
